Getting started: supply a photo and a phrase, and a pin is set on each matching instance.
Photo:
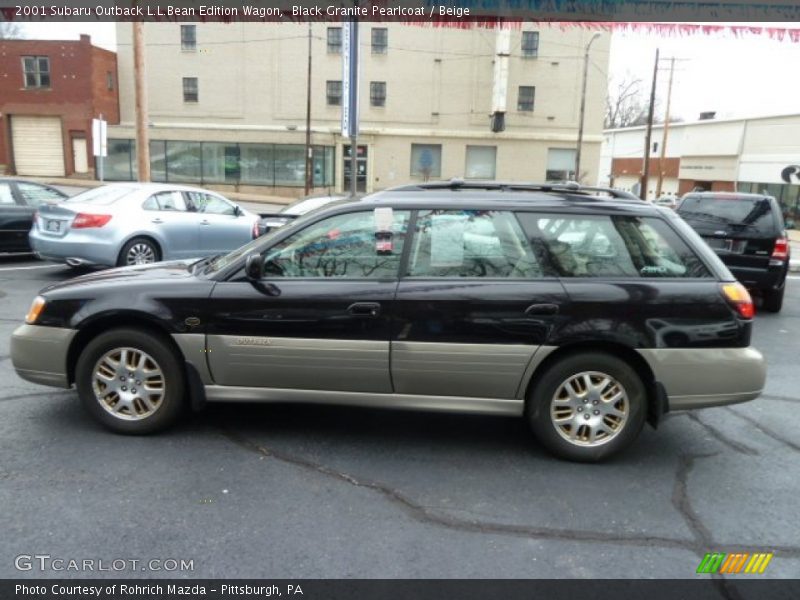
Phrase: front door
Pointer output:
(177, 228)
(361, 169)
(222, 227)
(473, 307)
(319, 319)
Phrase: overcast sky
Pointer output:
(746, 76)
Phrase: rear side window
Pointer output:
(737, 213)
(34, 194)
(611, 246)
(169, 201)
(471, 243)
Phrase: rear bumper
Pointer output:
(84, 251)
(772, 278)
(39, 354)
(706, 377)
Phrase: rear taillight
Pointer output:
(781, 250)
(255, 230)
(739, 298)
(84, 220)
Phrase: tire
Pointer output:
(145, 248)
(116, 403)
(773, 300)
(550, 399)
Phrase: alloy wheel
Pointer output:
(140, 254)
(128, 383)
(589, 408)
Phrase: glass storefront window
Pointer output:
(184, 162)
(290, 165)
(119, 164)
(158, 160)
(220, 162)
(257, 164)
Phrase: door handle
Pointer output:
(156, 221)
(204, 222)
(364, 309)
(540, 310)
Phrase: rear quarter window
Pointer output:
(611, 247)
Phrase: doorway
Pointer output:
(361, 166)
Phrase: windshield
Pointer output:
(257, 245)
(103, 195)
(753, 213)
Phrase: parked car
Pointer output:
(271, 221)
(668, 202)
(19, 200)
(462, 297)
(748, 233)
(132, 223)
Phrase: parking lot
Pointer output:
(317, 492)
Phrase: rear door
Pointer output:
(319, 319)
(473, 306)
(741, 229)
(222, 227)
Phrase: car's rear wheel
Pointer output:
(130, 381)
(139, 251)
(587, 406)
(773, 300)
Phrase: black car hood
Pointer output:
(163, 271)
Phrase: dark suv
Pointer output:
(747, 232)
(587, 312)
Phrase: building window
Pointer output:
(36, 70)
(333, 92)
(190, 91)
(377, 93)
(109, 80)
(530, 44)
(380, 40)
(527, 94)
(481, 161)
(426, 160)
(560, 164)
(334, 40)
(189, 38)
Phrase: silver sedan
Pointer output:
(133, 223)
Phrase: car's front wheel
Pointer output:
(587, 406)
(131, 381)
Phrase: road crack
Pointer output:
(721, 437)
(765, 430)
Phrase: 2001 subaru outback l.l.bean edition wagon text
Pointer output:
(587, 311)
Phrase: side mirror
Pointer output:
(237, 211)
(254, 267)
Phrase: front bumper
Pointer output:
(39, 354)
(706, 377)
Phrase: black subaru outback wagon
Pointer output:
(586, 311)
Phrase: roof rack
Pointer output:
(572, 187)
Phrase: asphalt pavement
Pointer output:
(315, 492)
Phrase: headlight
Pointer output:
(35, 310)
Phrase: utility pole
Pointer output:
(309, 160)
(596, 35)
(140, 85)
(666, 130)
(646, 166)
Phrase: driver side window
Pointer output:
(343, 246)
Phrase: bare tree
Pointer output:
(627, 103)
(10, 31)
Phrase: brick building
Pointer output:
(49, 93)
